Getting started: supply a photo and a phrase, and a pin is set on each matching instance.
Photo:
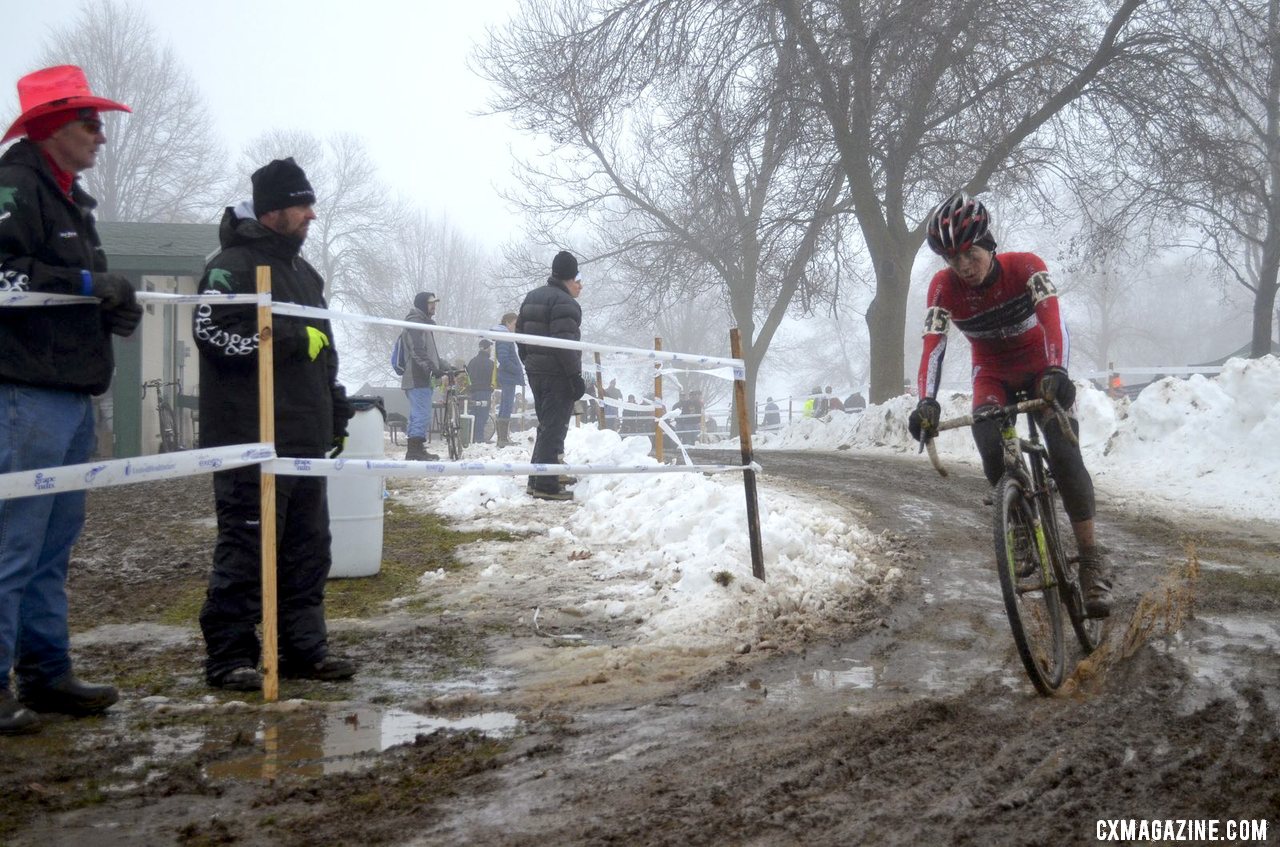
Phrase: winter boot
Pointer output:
(1095, 582)
(15, 718)
(563, 478)
(503, 428)
(417, 451)
(69, 696)
(559, 494)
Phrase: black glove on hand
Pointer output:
(123, 320)
(343, 411)
(113, 290)
(1056, 385)
(924, 419)
(579, 386)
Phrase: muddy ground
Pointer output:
(909, 722)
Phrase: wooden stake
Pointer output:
(748, 476)
(600, 415)
(657, 408)
(267, 500)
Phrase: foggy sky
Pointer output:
(393, 72)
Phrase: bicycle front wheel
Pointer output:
(1029, 587)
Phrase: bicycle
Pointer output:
(451, 424)
(1037, 577)
(170, 441)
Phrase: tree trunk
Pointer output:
(1264, 303)
(886, 323)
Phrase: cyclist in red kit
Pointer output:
(1007, 307)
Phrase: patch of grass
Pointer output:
(413, 543)
(723, 578)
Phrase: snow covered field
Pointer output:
(669, 554)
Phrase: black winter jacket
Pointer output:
(551, 311)
(227, 337)
(46, 239)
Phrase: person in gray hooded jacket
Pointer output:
(422, 368)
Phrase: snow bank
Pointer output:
(1198, 443)
(671, 551)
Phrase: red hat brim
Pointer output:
(102, 104)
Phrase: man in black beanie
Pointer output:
(555, 375)
(311, 414)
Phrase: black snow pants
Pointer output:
(553, 401)
(233, 605)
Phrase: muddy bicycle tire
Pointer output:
(1033, 605)
(168, 431)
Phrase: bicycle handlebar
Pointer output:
(999, 412)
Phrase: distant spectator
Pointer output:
(480, 375)
(833, 402)
(423, 367)
(510, 375)
(772, 417)
(555, 374)
(613, 392)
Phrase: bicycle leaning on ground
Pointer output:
(170, 441)
(451, 423)
(1037, 576)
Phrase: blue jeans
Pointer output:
(39, 428)
(507, 401)
(419, 412)
(480, 414)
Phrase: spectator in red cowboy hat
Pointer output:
(53, 359)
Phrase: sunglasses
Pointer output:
(92, 125)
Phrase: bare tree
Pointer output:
(925, 98)
(164, 162)
(679, 168)
(1206, 152)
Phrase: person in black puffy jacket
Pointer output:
(555, 375)
(311, 414)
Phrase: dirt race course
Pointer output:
(909, 722)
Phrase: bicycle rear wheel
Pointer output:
(168, 431)
(451, 435)
(1030, 592)
(1088, 630)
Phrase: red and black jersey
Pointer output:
(1012, 324)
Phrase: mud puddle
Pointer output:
(311, 743)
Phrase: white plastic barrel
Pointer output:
(355, 502)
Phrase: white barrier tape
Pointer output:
(45, 298)
(394, 468)
(213, 298)
(41, 298)
(535, 340)
(665, 426)
(125, 471)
